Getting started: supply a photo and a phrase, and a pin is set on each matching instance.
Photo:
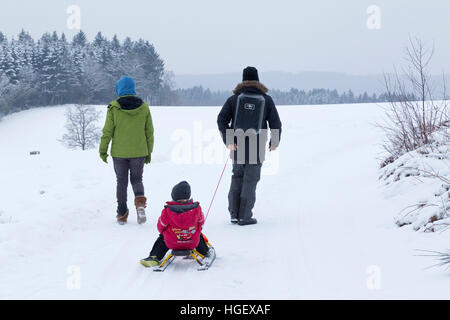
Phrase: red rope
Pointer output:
(217, 188)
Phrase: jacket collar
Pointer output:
(251, 84)
(130, 104)
(178, 207)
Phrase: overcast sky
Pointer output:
(208, 36)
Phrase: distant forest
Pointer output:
(53, 70)
(198, 96)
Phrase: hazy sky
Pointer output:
(208, 36)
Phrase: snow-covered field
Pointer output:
(326, 225)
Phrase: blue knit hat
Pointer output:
(125, 87)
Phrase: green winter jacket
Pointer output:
(130, 127)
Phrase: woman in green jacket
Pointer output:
(129, 125)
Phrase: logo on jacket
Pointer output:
(183, 234)
(249, 106)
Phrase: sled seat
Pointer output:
(182, 253)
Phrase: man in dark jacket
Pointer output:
(248, 145)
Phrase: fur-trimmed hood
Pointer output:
(251, 84)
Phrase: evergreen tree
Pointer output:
(80, 39)
(47, 67)
(115, 44)
(99, 40)
(8, 64)
(24, 50)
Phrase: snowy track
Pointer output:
(325, 230)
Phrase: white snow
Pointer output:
(422, 175)
(326, 228)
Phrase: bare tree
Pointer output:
(82, 131)
(413, 113)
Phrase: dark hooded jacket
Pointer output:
(271, 118)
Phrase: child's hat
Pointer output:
(181, 191)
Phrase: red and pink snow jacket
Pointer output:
(181, 225)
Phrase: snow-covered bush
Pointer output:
(417, 142)
(425, 174)
(412, 113)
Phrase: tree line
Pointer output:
(54, 70)
(199, 96)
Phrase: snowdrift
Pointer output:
(424, 175)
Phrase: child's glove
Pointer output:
(148, 159)
(104, 157)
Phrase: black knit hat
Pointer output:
(250, 74)
(181, 191)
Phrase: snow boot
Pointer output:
(141, 203)
(150, 262)
(122, 219)
(234, 218)
(247, 222)
(208, 259)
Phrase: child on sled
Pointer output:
(180, 227)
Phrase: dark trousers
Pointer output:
(160, 249)
(135, 168)
(242, 195)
